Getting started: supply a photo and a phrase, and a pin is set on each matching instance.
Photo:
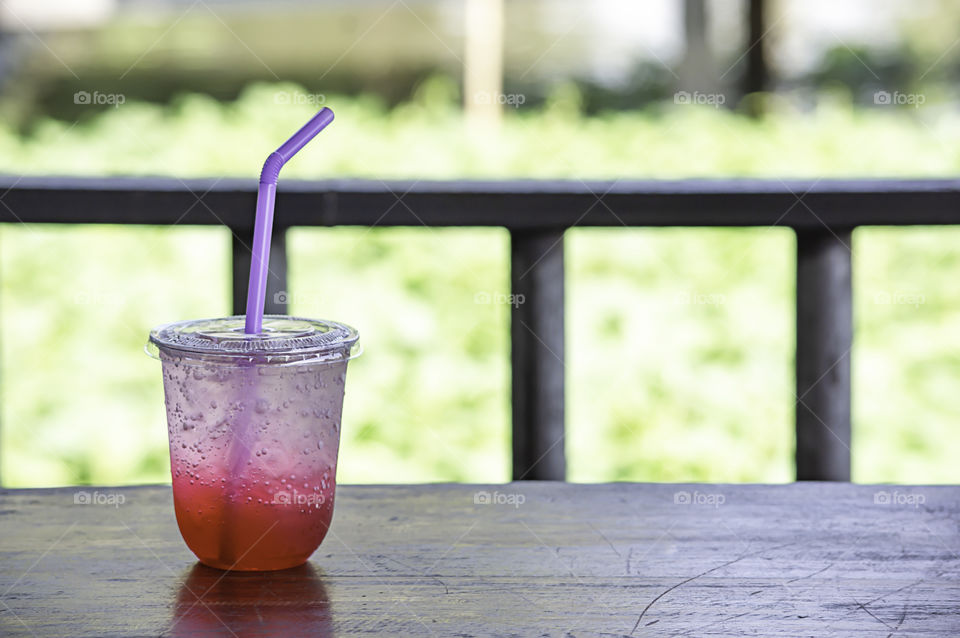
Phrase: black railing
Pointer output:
(823, 213)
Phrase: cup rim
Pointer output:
(286, 340)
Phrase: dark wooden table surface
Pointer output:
(525, 559)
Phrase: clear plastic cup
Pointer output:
(254, 424)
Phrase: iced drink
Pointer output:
(254, 425)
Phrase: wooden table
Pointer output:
(525, 559)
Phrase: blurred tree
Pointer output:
(696, 69)
(757, 75)
(483, 65)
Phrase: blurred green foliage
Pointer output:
(679, 340)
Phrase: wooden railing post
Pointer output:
(277, 293)
(537, 336)
(824, 339)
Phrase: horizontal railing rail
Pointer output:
(822, 212)
(520, 204)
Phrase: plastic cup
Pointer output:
(254, 424)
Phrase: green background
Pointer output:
(680, 341)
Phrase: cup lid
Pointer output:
(284, 339)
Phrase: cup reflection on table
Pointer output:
(290, 602)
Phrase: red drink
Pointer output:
(269, 528)
(253, 451)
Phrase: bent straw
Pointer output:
(263, 226)
(229, 553)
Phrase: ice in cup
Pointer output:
(254, 424)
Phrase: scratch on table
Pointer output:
(903, 615)
(416, 572)
(398, 562)
(702, 574)
(716, 622)
(810, 575)
(895, 591)
(899, 622)
(872, 615)
(606, 539)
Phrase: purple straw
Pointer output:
(263, 226)
(256, 293)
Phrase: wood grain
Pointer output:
(553, 559)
